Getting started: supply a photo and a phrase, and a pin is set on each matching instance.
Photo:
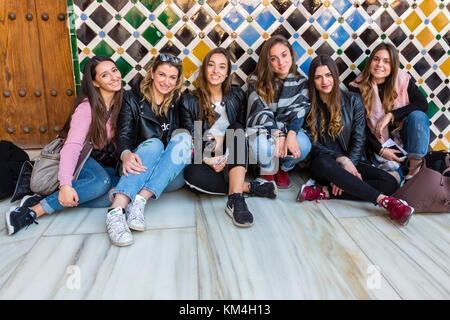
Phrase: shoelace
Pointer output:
(136, 214)
(239, 204)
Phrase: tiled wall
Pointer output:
(131, 32)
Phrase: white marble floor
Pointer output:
(191, 250)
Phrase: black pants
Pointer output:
(325, 169)
(203, 178)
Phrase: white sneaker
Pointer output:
(118, 231)
(135, 214)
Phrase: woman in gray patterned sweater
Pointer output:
(277, 105)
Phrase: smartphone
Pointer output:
(394, 147)
(223, 158)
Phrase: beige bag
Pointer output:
(44, 177)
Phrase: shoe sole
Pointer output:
(9, 227)
(240, 225)
(118, 244)
(275, 190)
(136, 228)
(408, 218)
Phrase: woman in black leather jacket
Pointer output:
(153, 155)
(337, 125)
(216, 111)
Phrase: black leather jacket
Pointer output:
(350, 142)
(235, 103)
(137, 122)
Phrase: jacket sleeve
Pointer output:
(357, 138)
(242, 106)
(185, 116)
(126, 133)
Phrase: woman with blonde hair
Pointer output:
(395, 108)
(153, 155)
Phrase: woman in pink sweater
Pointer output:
(93, 118)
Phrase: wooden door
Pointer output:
(36, 76)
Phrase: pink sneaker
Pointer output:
(398, 209)
(282, 179)
(311, 193)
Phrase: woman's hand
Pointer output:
(211, 161)
(131, 163)
(382, 124)
(219, 142)
(291, 144)
(335, 190)
(391, 154)
(67, 196)
(348, 165)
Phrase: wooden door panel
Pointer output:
(21, 70)
(56, 62)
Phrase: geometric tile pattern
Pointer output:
(131, 32)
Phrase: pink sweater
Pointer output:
(79, 129)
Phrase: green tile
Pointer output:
(103, 49)
(152, 35)
(135, 17)
(168, 17)
(77, 88)
(151, 4)
(123, 66)
(363, 64)
(432, 109)
(423, 91)
(76, 70)
(74, 46)
(83, 63)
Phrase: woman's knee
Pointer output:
(153, 145)
(304, 144)
(418, 120)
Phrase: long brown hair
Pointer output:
(147, 83)
(202, 89)
(97, 131)
(265, 84)
(390, 91)
(335, 126)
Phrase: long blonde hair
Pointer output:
(390, 91)
(147, 84)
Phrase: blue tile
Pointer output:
(234, 19)
(298, 49)
(326, 19)
(341, 5)
(249, 5)
(265, 19)
(340, 36)
(305, 66)
(249, 35)
(355, 20)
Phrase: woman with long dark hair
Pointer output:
(395, 108)
(93, 117)
(336, 123)
(153, 154)
(277, 105)
(220, 108)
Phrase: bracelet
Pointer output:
(281, 134)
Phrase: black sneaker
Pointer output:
(262, 188)
(237, 210)
(31, 200)
(19, 217)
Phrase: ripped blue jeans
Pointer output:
(92, 187)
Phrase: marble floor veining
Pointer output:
(191, 250)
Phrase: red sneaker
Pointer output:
(398, 209)
(282, 179)
(268, 177)
(311, 193)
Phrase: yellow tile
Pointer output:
(447, 136)
(440, 21)
(201, 50)
(425, 36)
(445, 67)
(428, 6)
(413, 21)
(440, 146)
(189, 67)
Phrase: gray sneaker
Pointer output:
(135, 215)
(118, 231)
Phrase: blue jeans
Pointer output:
(415, 134)
(263, 148)
(92, 187)
(164, 167)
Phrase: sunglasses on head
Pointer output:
(165, 57)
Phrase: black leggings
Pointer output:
(203, 178)
(325, 169)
